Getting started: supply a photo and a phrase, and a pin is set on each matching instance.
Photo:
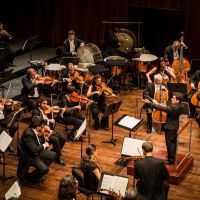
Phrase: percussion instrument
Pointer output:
(145, 57)
(141, 67)
(116, 63)
(54, 70)
(127, 40)
(89, 53)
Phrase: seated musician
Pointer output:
(57, 139)
(149, 93)
(35, 152)
(70, 115)
(68, 188)
(70, 45)
(152, 175)
(8, 53)
(98, 96)
(31, 88)
(172, 52)
(194, 81)
(163, 68)
(90, 168)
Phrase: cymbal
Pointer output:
(148, 57)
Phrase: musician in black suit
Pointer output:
(57, 139)
(151, 175)
(35, 152)
(172, 52)
(194, 80)
(149, 93)
(31, 88)
(171, 126)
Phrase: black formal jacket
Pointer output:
(195, 78)
(173, 112)
(30, 144)
(151, 173)
(28, 87)
(168, 53)
(66, 45)
(149, 91)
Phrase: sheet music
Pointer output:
(132, 147)
(114, 182)
(5, 141)
(14, 191)
(129, 122)
(81, 129)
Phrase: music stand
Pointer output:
(129, 123)
(79, 133)
(69, 59)
(28, 45)
(111, 110)
(5, 141)
(14, 191)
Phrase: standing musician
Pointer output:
(194, 81)
(149, 93)
(173, 51)
(91, 169)
(171, 125)
(152, 175)
(163, 68)
(70, 114)
(57, 139)
(31, 90)
(71, 44)
(35, 152)
(97, 93)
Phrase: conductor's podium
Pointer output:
(176, 174)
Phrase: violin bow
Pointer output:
(51, 105)
(7, 92)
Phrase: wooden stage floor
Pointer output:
(188, 189)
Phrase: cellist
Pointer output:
(194, 81)
(149, 93)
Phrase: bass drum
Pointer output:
(127, 40)
(89, 53)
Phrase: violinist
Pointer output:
(171, 126)
(163, 68)
(194, 82)
(152, 175)
(90, 168)
(70, 114)
(97, 93)
(173, 51)
(35, 153)
(31, 90)
(57, 139)
(149, 93)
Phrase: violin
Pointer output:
(47, 79)
(75, 97)
(44, 131)
(103, 88)
(54, 109)
(10, 102)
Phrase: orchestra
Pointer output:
(75, 94)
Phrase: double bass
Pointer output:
(181, 67)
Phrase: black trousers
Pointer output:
(73, 119)
(41, 163)
(149, 118)
(95, 110)
(171, 143)
(58, 140)
(191, 106)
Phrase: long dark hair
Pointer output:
(67, 188)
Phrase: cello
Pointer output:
(181, 66)
(195, 99)
(160, 96)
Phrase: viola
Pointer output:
(49, 109)
(44, 131)
(75, 97)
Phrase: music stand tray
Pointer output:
(111, 110)
(129, 123)
(69, 59)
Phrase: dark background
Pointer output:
(51, 19)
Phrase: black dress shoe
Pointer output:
(168, 162)
(60, 161)
(149, 131)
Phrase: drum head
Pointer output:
(127, 40)
(90, 53)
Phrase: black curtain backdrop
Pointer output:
(51, 20)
